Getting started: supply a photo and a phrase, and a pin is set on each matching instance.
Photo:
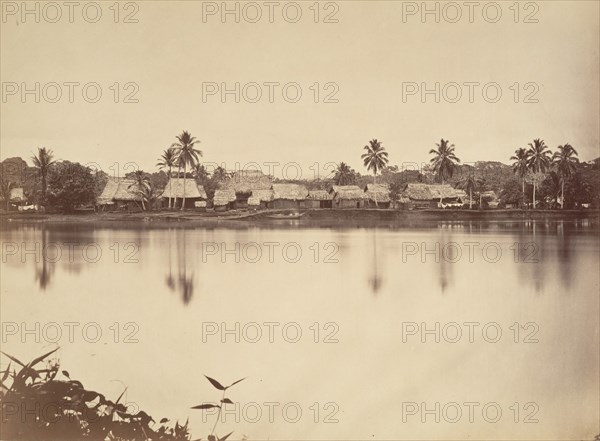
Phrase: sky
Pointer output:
(370, 60)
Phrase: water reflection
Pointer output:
(183, 284)
(538, 252)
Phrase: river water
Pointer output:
(476, 330)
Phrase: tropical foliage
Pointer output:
(187, 155)
(444, 160)
(60, 408)
(376, 157)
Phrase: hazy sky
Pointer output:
(369, 53)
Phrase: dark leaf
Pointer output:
(226, 401)
(121, 396)
(215, 383)
(66, 374)
(6, 373)
(164, 420)
(205, 406)
(37, 360)
(13, 358)
(225, 437)
(235, 382)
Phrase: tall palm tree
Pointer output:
(344, 175)
(538, 161)
(168, 160)
(444, 160)
(141, 185)
(520, 167)
(187, 155)
(42, 161)
(565, 160)
(470, 184)
(376, 157)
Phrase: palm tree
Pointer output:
(344, 175)
(565, 160)
(141, 185)
(200, 173)
(444, 160)
(376, 157)
(42, 162)
(520, 167)
(187, 155)
(538, 160)
(168, 160)
(471, 184)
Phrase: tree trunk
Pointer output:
(470, 198)
(44, 187)
(562, 195)
(534, 185)
(375, 183)
(523, 192)
(184, 173)
(170, 186)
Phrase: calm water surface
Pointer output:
(167, 302)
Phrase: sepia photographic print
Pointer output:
(310, 220)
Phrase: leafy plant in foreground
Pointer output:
(224, 401)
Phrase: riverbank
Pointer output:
(314, 217)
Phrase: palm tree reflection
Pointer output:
(184, 282)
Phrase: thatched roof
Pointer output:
(378, 192)
(245, 181)
(427, 192)
(292, 192)
(118, 189)
(347, 192)
(223, 197)
(174, 189)
(259, 196)
(489, 195)
(319, 195)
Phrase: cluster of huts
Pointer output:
(254, 190)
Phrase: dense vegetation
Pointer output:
(536, 178)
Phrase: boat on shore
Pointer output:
(285, 216)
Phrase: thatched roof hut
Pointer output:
(429, 192)
(174, 189)
(319, 195)
(378, 192)
(259, 196)
(118, 189)
(290, 192)
(347, 192)
(245, 181)
(223, 197)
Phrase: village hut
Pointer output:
(119, 194)
(348, 196)
(224, 200)
(175, 190)
(489, 199)
(431, 195)
(378, 196)
(286, 196)
(244, 182)
(317, 199)
(260, 199)
(16, 198)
